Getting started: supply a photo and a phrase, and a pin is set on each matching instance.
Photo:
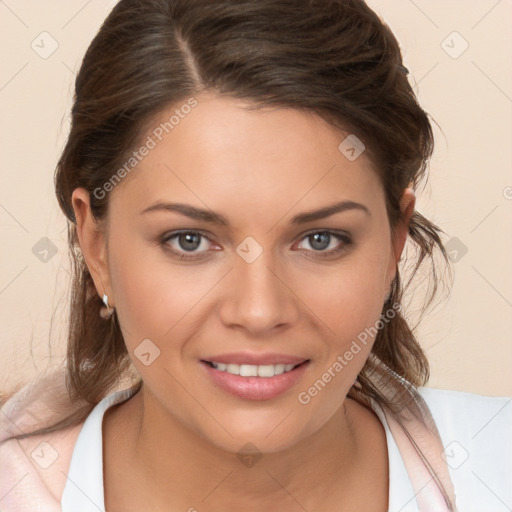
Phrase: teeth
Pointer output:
(251, 370)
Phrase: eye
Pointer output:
(184, 242)
(327, 243)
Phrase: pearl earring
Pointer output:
(106, 311)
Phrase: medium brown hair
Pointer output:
(333, 58)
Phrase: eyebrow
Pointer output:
(215, 218)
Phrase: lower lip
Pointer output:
(256, 388)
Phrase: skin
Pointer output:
(174, 445)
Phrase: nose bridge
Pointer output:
(258, 300)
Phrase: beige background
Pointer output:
(468, 93)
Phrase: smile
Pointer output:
(255, 382)
(251, 370)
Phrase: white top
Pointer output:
(476, 432)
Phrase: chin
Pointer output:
(270, 431)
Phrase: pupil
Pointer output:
(187, 241)
(318, 243)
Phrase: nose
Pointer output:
(258, 298)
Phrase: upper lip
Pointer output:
(255, 359)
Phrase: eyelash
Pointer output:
(343, 237)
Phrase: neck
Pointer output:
(182, 468)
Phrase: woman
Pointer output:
(239, 182)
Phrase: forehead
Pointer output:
(223, 155)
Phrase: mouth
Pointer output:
(254, 382)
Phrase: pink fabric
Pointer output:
(26, 480)
(419, 443)
(27, 485)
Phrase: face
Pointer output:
(254, 278)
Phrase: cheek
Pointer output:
(350, 295)
(157, 298)
(346, 304)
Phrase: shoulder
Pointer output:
(34, 466)
(462, 398)
(476, 433)
(457, 412)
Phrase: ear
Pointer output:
(92, 242)
(407, 203)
